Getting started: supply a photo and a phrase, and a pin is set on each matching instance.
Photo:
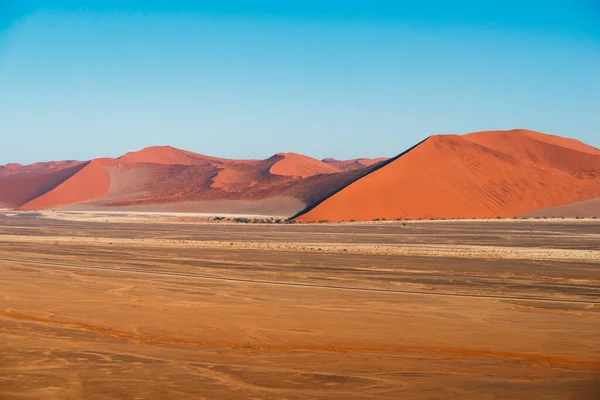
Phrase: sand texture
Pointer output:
(96, 308)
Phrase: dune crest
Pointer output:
(167, 155)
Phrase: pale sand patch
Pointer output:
(429, 250)
(139, 214)
(280, 207)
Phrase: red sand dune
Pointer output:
(292, 164)
(18, 185)
(451, 176)
(10, 166)
(166, 155)
(346, 165)
(230, 181)
(170, 179)
(89, 182)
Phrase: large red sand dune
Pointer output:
(481, 175)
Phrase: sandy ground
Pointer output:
(480, 310)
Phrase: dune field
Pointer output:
(479, 175)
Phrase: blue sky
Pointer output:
(246, 79)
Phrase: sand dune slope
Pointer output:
(21, 184)
(451, 176)
(89, 182)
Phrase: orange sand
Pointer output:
(453, 177)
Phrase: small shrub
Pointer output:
(376, 219)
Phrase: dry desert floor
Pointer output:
(158, 308)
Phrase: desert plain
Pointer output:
(102, 306)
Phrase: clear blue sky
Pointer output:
(84, 79)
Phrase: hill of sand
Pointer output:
(357, 163)
(292, 164)
(165, 178)
(167, 155)
(482, 175)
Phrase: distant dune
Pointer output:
(292, 164)
(166, 155)
(357, 163)
(164, 178)
(481, 175)
(19, 185)
(89, 182)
